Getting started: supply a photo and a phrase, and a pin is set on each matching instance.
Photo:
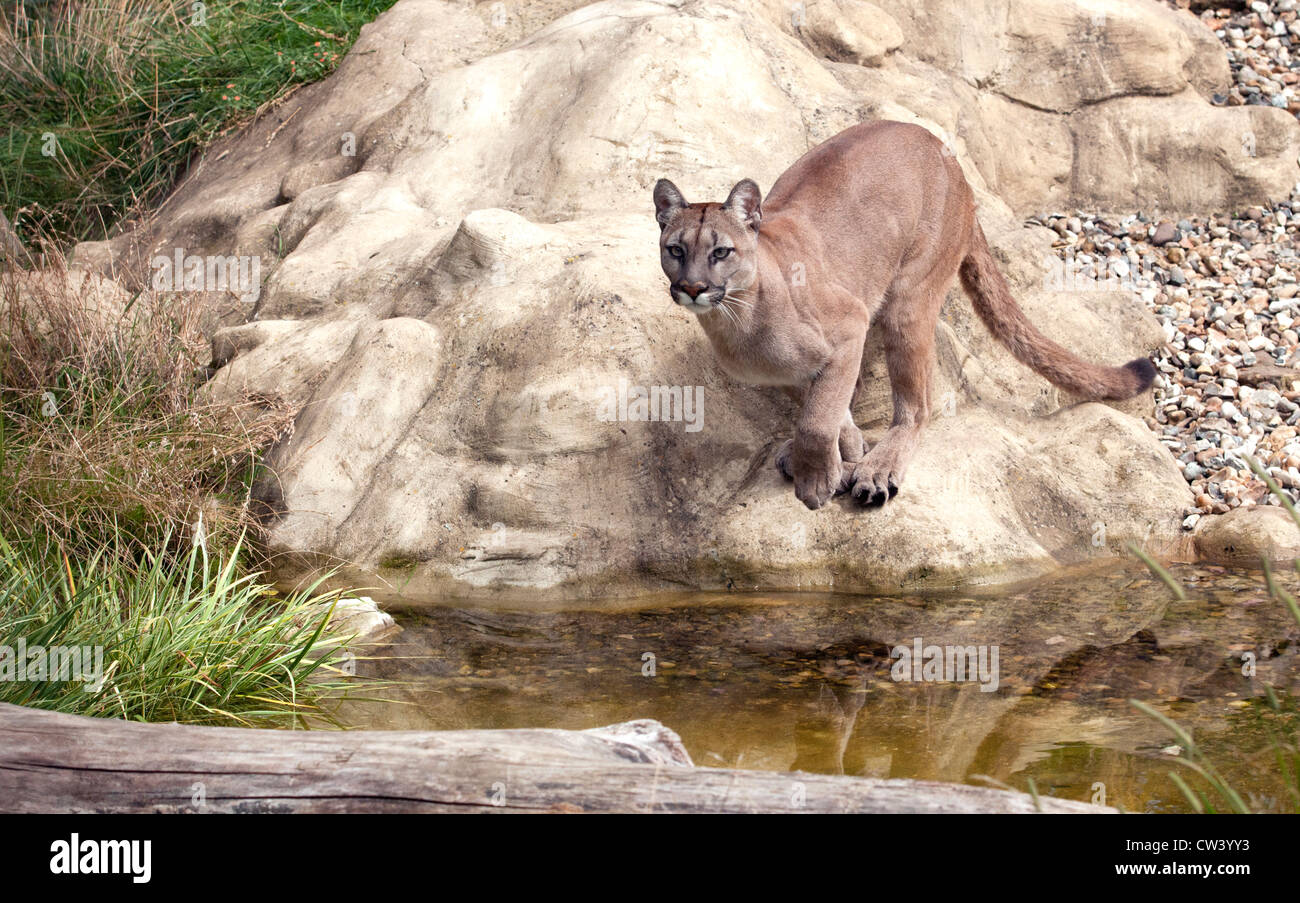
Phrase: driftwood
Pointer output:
(66, 763)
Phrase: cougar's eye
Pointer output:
(719, 253)
(676, 251)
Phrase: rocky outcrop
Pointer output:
(463, 287)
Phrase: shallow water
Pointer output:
(804, 682)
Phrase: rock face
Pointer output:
(1246, 536)
(464, 289)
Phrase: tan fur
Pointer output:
(866, 230)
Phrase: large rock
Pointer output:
(1246, 537)
(464, 271)
(1064, 56)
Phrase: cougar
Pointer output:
(866, 230)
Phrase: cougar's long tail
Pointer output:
(992, 299)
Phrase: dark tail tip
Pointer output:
(1144, 374)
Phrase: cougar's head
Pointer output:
(708, 250)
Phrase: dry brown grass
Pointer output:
(103, 428)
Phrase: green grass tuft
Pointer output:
(195, 640)
(105, 102)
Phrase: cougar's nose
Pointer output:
(692, 288)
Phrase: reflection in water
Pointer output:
(804, 682)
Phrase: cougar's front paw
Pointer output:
(784, 457)
(818, 473)
(876, 478)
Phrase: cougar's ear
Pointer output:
(746, 201)
(668, 200)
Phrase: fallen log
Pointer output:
(51, 762)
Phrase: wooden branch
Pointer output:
(51, 762)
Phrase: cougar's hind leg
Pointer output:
(908, 332)
(795, 394)
(852, 449)
(815, 452)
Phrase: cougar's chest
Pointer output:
(758, 359)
